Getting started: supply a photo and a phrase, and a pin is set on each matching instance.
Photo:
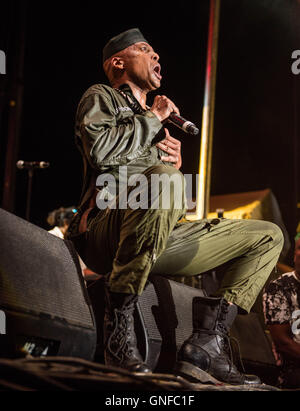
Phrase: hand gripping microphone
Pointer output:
(182, 123)
(32, 164)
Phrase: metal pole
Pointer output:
(29, 191)
(203, 192)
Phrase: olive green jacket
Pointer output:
(110, 134)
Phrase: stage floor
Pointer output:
(75, 374)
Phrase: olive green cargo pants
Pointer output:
(130, 244)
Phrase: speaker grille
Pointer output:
(38, 273)
(166, 309)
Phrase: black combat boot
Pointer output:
(206, 356)
(120, 345)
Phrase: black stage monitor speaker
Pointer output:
(44, 304)
(163, 319)
(165, 322)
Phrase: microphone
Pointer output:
(32, 164)
(182, 123)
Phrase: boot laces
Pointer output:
(228, 341)
(119, 345)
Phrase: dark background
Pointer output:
(257, 96)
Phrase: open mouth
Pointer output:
(156, 70)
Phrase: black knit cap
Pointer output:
(122, 41)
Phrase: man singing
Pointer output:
(118, 134)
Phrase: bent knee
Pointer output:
(275, 232)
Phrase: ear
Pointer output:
(118, 63)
